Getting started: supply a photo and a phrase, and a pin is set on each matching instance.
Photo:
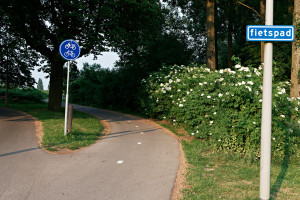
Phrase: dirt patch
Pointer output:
(209, 169)
(247, 182)
(180, 182)
(39, 131)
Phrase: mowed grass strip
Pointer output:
(86, 129)
(216, 175)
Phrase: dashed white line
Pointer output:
(120, 162)
(139, 143)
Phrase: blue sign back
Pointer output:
(69, 49)
(270, 33)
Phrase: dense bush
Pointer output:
(222, 107)
(28, 94)
(113, 89)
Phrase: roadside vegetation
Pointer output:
(86, 129)
(214, 174)
(223, 107)
(221, 113)
(24, 95)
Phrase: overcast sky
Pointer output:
(107, 60)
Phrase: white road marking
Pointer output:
(142, 133)
(120, 162)
(139, 143)
(137, 126)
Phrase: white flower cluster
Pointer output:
(281, 90)
(245, 69)
(257, 72)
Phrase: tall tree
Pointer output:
(230, 32)
(96, 24)
(262, 22)
(211, 40)
(16, 58)
(40, 85)
(295, 74)
(45, 24)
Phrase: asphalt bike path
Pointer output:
(137, 160)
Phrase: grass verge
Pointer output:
(217, 175)
(86, 129)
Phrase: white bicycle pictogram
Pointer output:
(69, 53)
(69, 45)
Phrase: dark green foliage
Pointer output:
(24, 95)
(94, 86)
(114, 89)
(168, 50)
(16, 59)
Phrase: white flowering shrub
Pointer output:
(222, 107)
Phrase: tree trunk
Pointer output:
(295, 80)
(262, 22)
(229, 34)
(244, 24)
(291, 6)
(56, 83)
(216, 47)
(6, 84)
(216, 39)
(211, 51)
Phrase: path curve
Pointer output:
(136, 161)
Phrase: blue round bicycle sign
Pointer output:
(69, 49)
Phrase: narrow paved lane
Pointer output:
(137, 160)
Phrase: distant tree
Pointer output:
(40, 85)
(74, 74)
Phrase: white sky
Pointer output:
(106, 60)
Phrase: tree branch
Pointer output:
(248, 7)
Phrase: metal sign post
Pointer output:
(269, 34)
(266, 119)
(69, 50)
(67, 102)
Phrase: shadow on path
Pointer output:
(124, 133)
(7, 113)
(17, 152)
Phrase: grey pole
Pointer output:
(266, 120)
(67, 102)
